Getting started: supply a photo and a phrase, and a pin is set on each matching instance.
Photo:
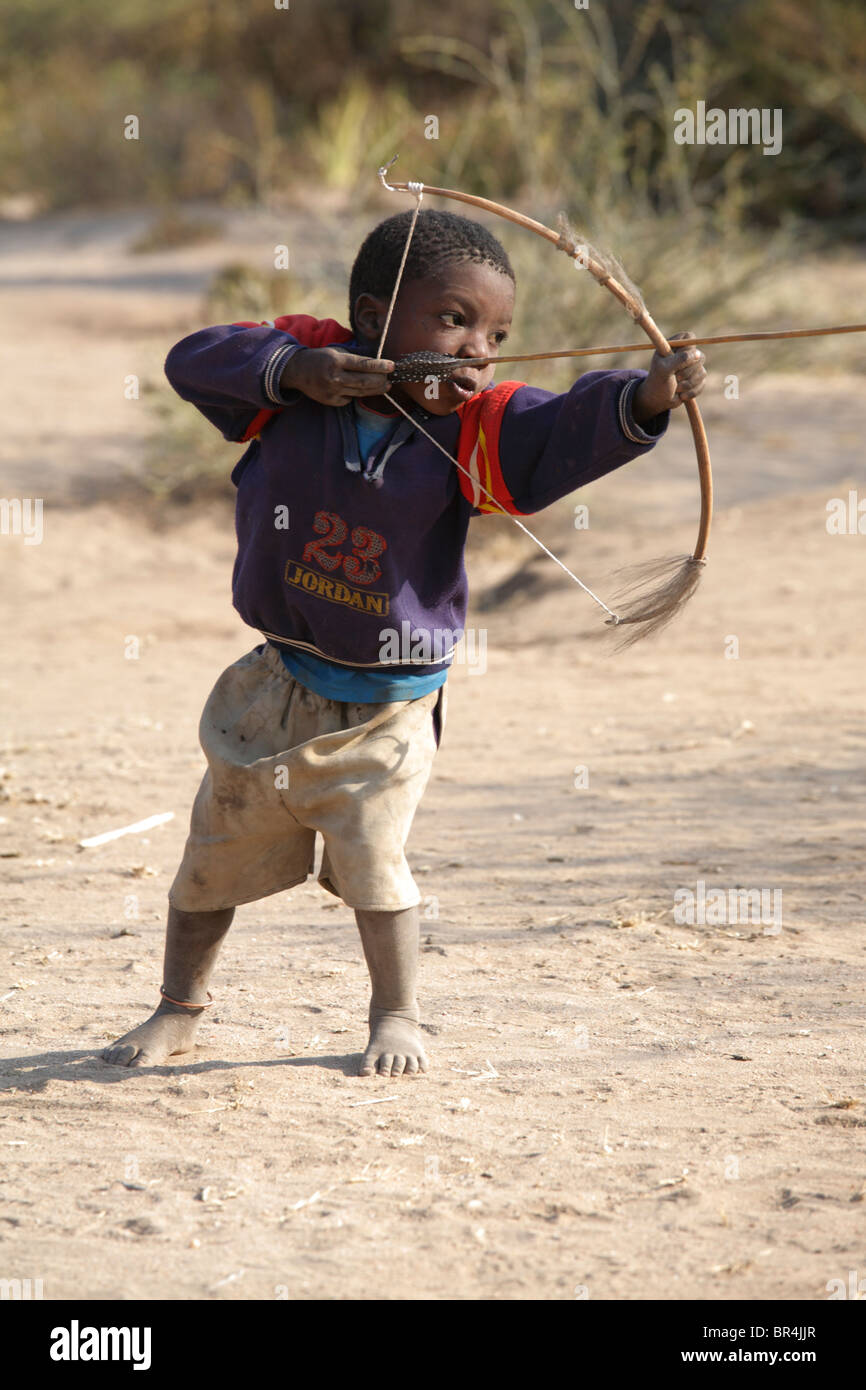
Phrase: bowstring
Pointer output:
(417, 190)
(504, 510)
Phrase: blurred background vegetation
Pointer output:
(539, 104)
(535, 98)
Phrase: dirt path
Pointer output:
(620, 1106)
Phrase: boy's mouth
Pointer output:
(464, 385)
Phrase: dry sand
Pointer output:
(620, 1107)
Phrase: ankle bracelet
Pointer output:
(185, 1003)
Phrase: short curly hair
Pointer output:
(439, 239)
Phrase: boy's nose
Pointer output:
(476, 345)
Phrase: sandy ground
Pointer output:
(620, 1106)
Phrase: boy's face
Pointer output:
(464, 311)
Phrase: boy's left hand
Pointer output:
(669, 381)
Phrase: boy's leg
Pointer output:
(192, 943)
(390, 941)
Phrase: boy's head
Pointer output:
(456, 297)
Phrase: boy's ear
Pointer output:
(370, 315)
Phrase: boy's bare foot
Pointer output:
(192, 943)
(390, 941)
(167, 1033)
(395, 1047)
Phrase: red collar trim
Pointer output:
(383, 414)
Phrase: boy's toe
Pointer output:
(398, 1066)
(386, 1062)
(144, 1059)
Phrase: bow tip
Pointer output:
(383, 170)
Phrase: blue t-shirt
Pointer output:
(351, 683)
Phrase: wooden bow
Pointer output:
(674, 580)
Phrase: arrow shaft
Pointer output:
(674, 342)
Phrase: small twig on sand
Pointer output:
(379, 1100)
(136, 828)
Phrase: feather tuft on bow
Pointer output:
(673, 583)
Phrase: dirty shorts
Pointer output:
(284, 763)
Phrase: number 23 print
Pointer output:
(361, 566)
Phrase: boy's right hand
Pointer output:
(333, 377)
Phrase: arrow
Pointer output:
(422, 364)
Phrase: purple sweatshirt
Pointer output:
(333, 553)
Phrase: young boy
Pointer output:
(351, 529)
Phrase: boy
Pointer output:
(351, 529)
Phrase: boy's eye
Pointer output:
(454, 319)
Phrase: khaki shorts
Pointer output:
(284, 763)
